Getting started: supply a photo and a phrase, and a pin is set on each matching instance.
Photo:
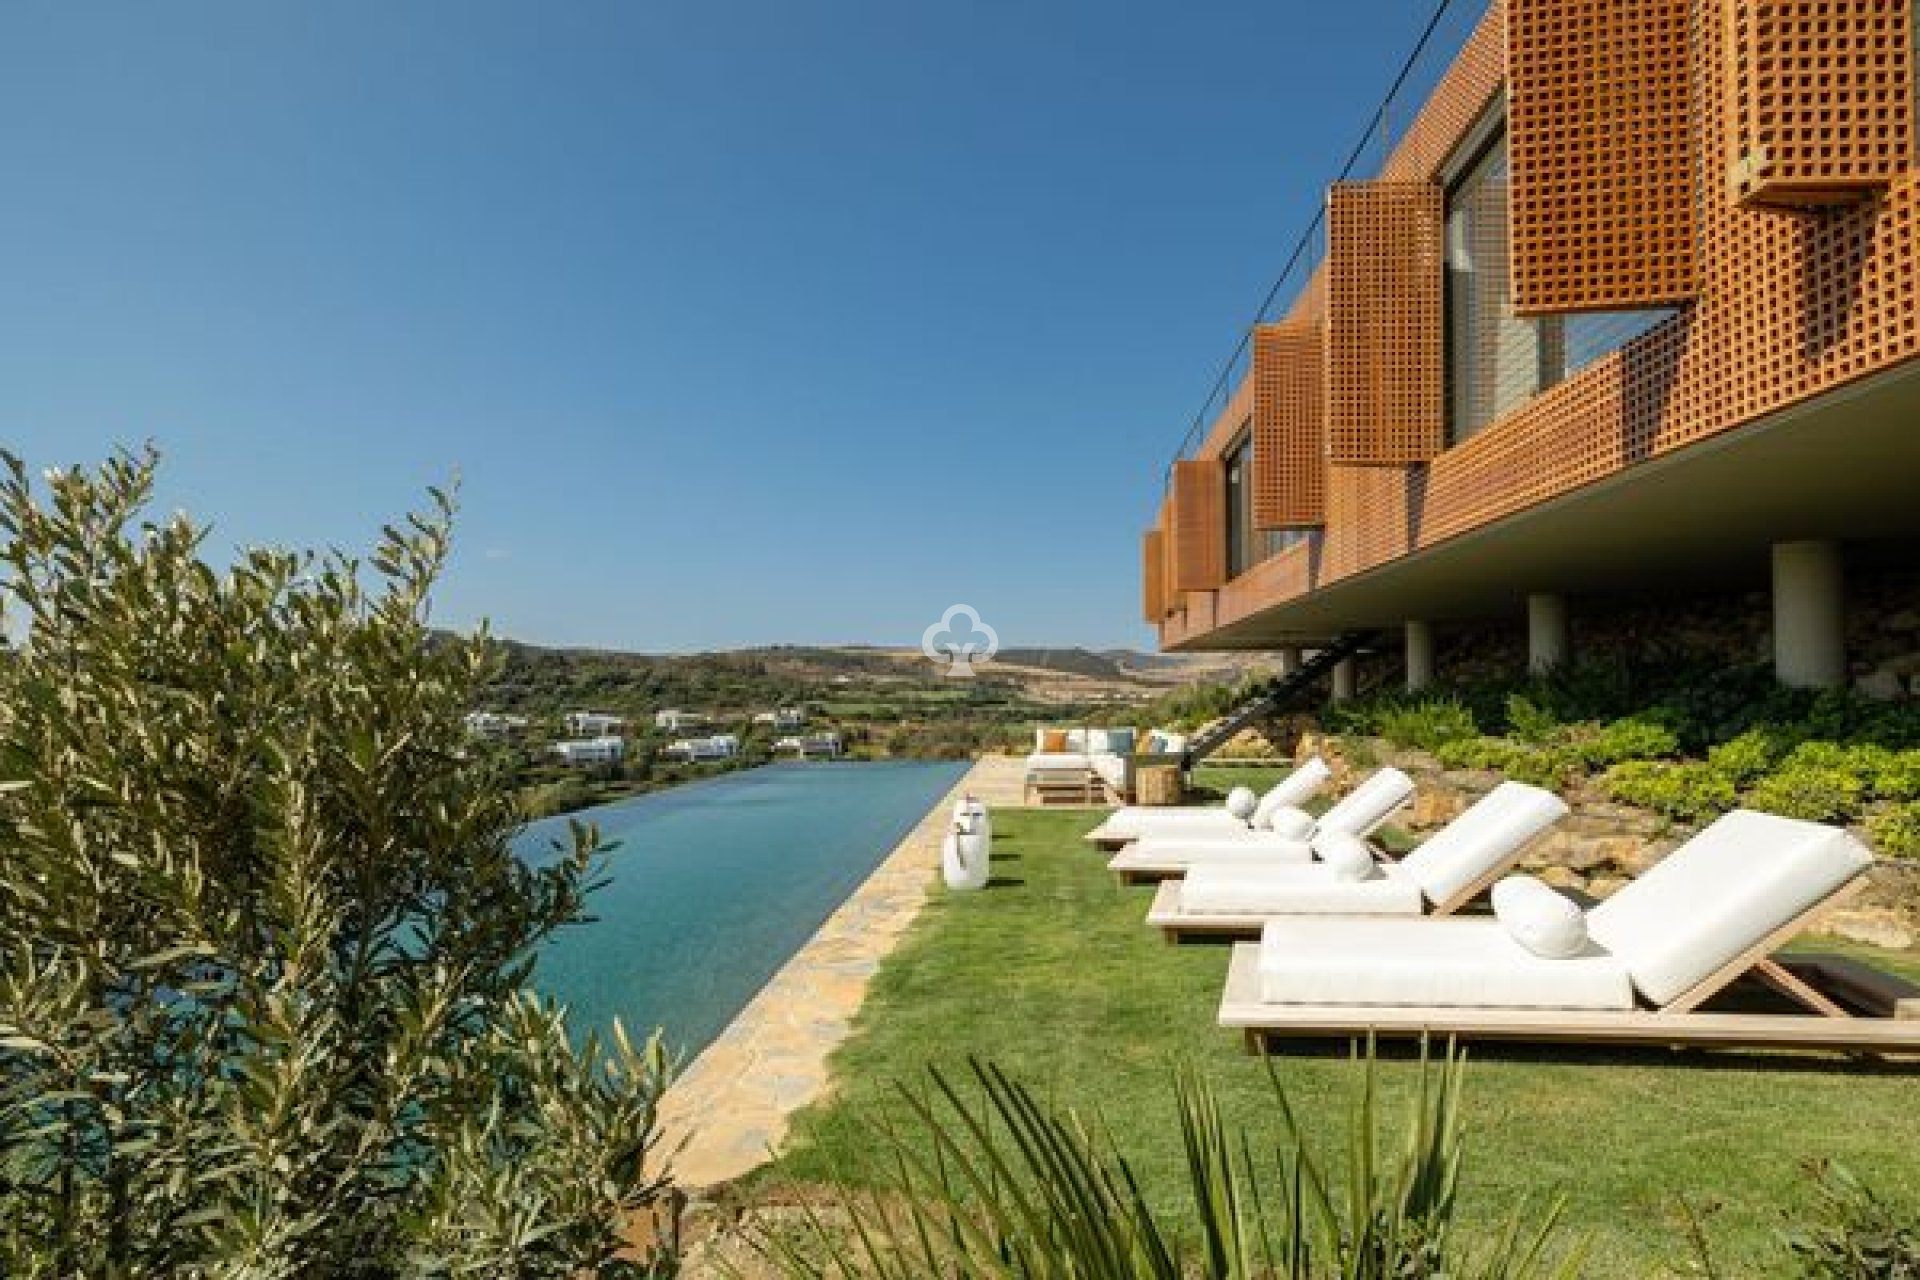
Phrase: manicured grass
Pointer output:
(1051, 974)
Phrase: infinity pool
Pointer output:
(716, 884)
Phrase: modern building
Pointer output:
(673, 720)
(593, 724)
(1630, 311)
(721, 746)
(811, 745)
(606, 749)
(783, 718)
(494, 724)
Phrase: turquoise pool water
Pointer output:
(716, 884)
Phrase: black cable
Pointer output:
(1306, 237)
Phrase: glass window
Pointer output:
(1246, 545)
(1496, 360)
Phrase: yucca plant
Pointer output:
(998, 1186)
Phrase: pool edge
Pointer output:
(728, 1111)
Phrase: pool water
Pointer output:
(716, 885)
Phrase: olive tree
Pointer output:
(263, 1006)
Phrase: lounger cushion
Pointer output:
(1293, 790)
(1369, 804)
(1488, 837)
(1217, 889)
(1294, 824)
(1449, 964)
(1541, 920)
(1719, 895)
(1347, 857)
(1162, 854)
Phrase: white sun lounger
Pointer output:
(1361, 813)
(1455, 865)
(1714, 911)
(1135, 822)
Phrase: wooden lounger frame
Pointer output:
(1849, 1007)
(1180, 926)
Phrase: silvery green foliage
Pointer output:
(261, 1007)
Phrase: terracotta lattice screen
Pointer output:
(1598, 140)
(1289, 427)
(1153, 576)
(1822, 98)
(1385, 353)
(1199, 525)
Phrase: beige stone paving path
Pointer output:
(730, 1107)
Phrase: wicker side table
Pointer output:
(1158, 785)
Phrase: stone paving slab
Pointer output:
(728, 1112)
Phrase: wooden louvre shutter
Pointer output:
(1598, 147)
(1385, 349)
(1153, 575)
(1823, 98)
(1199, 525)
(1289, 427)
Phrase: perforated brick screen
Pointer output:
(1289, 426)
(1153, 576)
(1598, 143)
(1384, 350)
(1822, 98)
(1199, 525)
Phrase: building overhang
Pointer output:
(1845, 465)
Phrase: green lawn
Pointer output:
(1051, 974)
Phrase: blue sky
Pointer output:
(741, 321)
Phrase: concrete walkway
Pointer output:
(730, 1108)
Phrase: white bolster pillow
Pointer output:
(1348, 857)
(1546, 923)
(1241, 802)
(1291, 824)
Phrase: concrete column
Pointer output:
(1344, 678)
(1419, 656)
(1809, 615)
(1287, 661)
(1547, 645)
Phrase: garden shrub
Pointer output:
(1895, 832)
(1898, 776)
(1746, 758)
(1819, 793)
(1522, 762)
(1634, 738)
(1426, 724)
(1529, 721)
(1685, 792)
(1853, 1234)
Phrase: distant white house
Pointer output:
(605, 749)
(675, 721)
(593, 724)
(493, 724)
(784, 718)
(721, 746)
(818, 744)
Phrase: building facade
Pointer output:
(1633, 305)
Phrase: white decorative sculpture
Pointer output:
(966, 855)
(1241, 802)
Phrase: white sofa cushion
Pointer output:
(1489, 836)
(1294, 790)
(1347, 857)
(1110, 767)
(1310, 889)
(1058, 761)
(1371, 803)
(1461, 964)
(1543, 921)
(1295, 824)
(1720, 894)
